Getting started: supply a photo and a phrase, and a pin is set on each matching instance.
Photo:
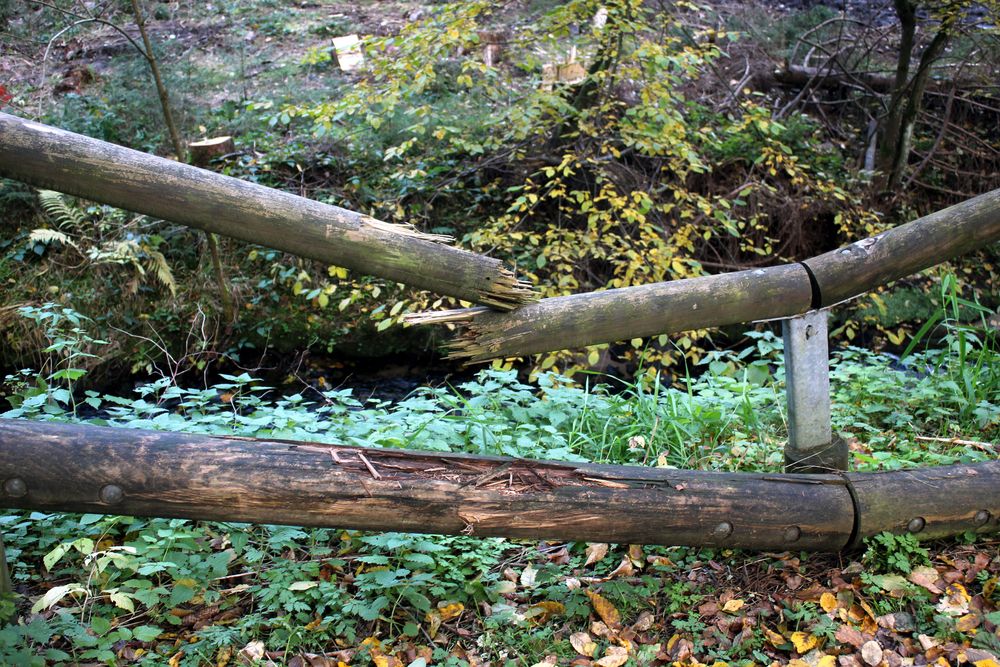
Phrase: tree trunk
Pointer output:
(76, 468)
(51, 158)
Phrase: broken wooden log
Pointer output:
(48, 157)
(629, 312)
(566, 322)
(80, 468)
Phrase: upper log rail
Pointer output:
(775, 292)
(48, 157)
(80, 468)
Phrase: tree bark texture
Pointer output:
(79, 468)
(51, 158)
(847, 272)
(775, 292)
(629, 312)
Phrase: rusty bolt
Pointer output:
(112, 494)
(916, 524)
(15, 487)
(793, 533)
(723, 530)
(981, 518)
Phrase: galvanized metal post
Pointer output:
(812, 445)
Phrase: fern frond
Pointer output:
(161, 269)
(62, 213)
(47, 236)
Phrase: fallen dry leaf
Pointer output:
(733, 606)
(851, 636)
(926, 577)
(528, 576)
(828, 601)
(774, 638)
(596, 551)
(449, 611)
(644, 622)
(871, 653)
(583, 644)
(607, 611)
(624, 569)
(968, 622)
(803, 642)
(614, 656)
(541, 612)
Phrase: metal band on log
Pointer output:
(566, 322)
(79, 468)
(48, 157)
(929, 502)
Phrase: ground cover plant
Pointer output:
(120, 590)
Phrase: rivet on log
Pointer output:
(793, 533)
(112, 494)
(15, 487)
(916, 524)
(981, 518)
(723, 530)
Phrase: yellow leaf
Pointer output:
(733, 606)
(450, 611)
(827, 661)
(542, 611)
(774, 638)
(803, 642)
(967, 622)
(583, 644)
(988, 662)
(605, 609)
(433, 623)
(828, 601)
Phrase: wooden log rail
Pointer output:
(769, 293)
(80, 468)
(48, 157)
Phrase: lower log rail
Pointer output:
(80, 468)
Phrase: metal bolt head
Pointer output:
(981, 518)
(792, 534)
(15, 487)
(916, 524)
(111, 494)
(723, 530)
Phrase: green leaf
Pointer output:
(146, 633)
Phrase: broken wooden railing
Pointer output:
(48, 157)
(80, 468)
(775, 292)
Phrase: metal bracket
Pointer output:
(812, 446)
